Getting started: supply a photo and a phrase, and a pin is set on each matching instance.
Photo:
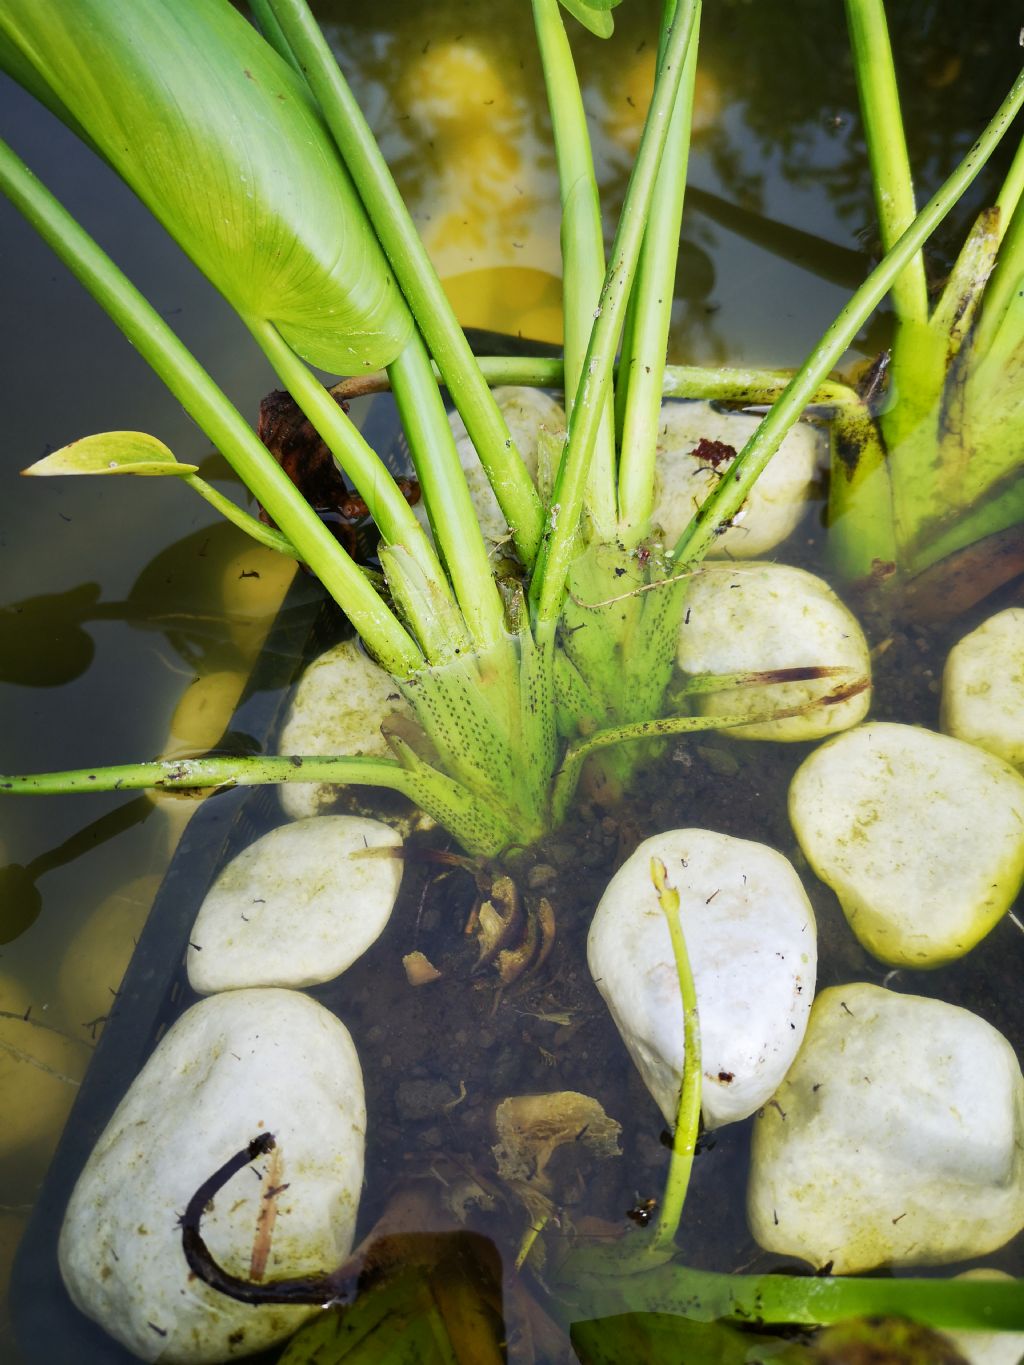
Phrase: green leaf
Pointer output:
(222, 141)
(594, 15)
(664, 1339)
(113, 452)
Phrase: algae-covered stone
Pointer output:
(743, 618)
(339, 705)
(232, 1067)
(750, 937)
(298, 906)
(531, 416)
(896, 1138)
(920, 836)
(983, 687)
(696, 444)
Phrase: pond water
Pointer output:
(130, 618)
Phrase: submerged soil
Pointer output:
(438, 1058)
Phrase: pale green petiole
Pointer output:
(213, 412)
(684, 1135)
(415, 272)
(566, 504)
(583, 264)
(188, 774)
(731, 492)
(641, 377)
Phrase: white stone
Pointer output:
(983, 687)
(232, 1067)
(920, 836)
(339, 705)
(750, 937)
(530, 414)
(298, 906)
(897, 1138)
(776, 502)
(751, 617)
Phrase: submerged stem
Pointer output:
(568, 774)
(189, 774)
(684, 1136)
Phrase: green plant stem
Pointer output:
(731, 492)
(679, 381)
(373, 480)
(266, 535)
(707, 1296)
(213, 413)
(887, 152)
(1012, 188)
(446, 495)
(583, 264)
(646, 339)
(186, 774)
(1001, 298)
(684, 1135)
(568, 774)
(548, 581)
(414, 271)
(266, 19)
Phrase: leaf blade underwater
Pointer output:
(222, 141)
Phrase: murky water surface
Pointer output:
(130, 619)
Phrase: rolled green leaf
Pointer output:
(222, 141)
(594, 15)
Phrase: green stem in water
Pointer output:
(679, 381)
(684, 1136)
(189, 774)
(373, 480)
(548, 583)
(707, 1296)
(568, 774)
(266, 535)
(583, 265)
(646, 341)
(207, 405)
(414, 271)
(887, 152)
(731, 492)
(446, 495)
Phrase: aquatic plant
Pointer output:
(517, 676)
(254, 154)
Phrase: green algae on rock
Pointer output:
(756, 617)
(983, 687)
(920, 836)
(897, 1138)
(339, 705)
